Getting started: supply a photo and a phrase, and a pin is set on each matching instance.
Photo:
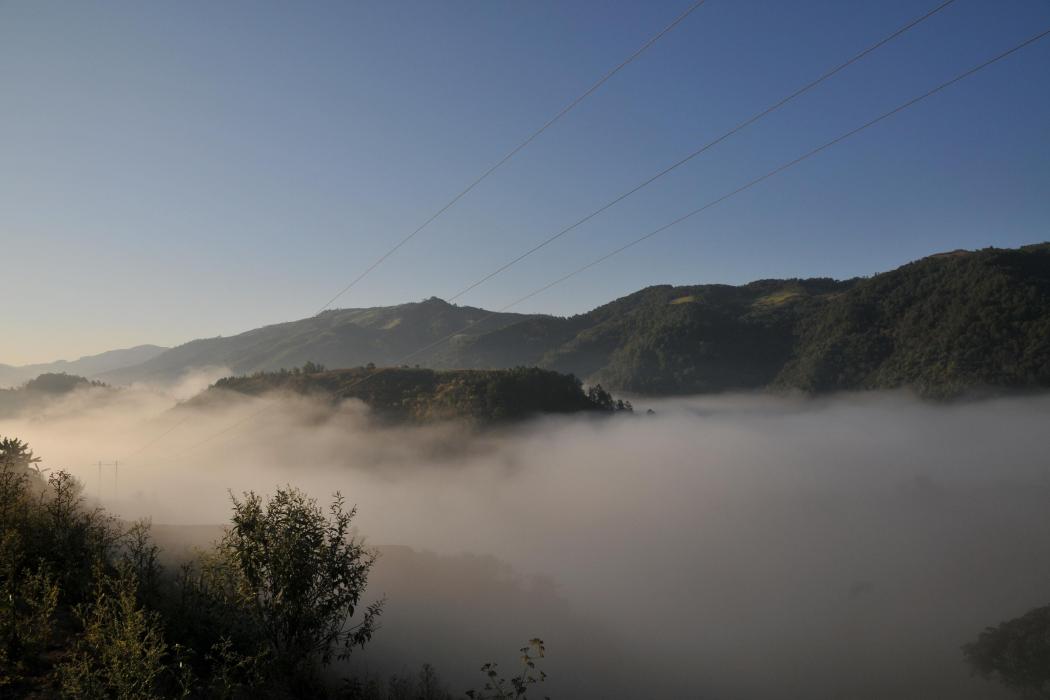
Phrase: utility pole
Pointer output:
(116, 467)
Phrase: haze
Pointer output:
(730, 547)
(426, 255)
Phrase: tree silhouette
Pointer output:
(1015, 652)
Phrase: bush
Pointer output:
(27, 609)
(121, 651)
(498, 688)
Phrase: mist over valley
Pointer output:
(812, 547)
(404, 350)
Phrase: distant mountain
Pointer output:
(944, 325)
(88, 366)
(338, 338)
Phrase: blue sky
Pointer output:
(196, 168)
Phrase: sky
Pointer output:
(184, 170)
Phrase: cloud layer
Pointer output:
(727, 547)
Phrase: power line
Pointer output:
(674, 166)
(513, 152)
(145, 446)
(782, 168)
(550, 122)
(616, 251)
(739, 127)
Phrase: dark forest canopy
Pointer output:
(945, 325)
(942, 326)
(417, 395)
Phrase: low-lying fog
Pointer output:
(726, 547)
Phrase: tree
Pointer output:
(1015, 652)
(16, 454)
(601, 398)
(303, 576)
(18, 479)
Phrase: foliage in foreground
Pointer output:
(87, 611)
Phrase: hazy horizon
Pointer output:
(233, 333)
(229, 333)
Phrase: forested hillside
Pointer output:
(40, 390)
(944, 325)
(424, 395)
(671, 340)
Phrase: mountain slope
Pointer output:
(670, 340)
(87, 366)
(338, 338)
(943, 325)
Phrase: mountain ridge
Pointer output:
(88, 366)
(942, 325)
(336, 338)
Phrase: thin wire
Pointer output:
(616, 251)
(782, 168)
(674, 166)
(739, 127)
(550, 122)
(161, 436)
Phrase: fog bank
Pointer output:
(726, 547)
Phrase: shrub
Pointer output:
(302, 576)
(120, 653)
(498, 688)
